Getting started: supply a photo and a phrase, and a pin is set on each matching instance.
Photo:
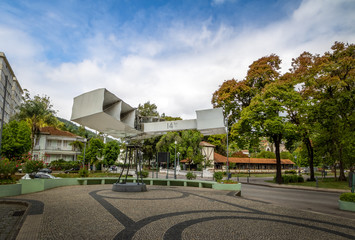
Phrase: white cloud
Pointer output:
(181, 68)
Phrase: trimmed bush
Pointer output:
(83, 172)
(218, 176)
(347, 197)
(190, 176)
(290, 179)
(61, 164)
(143, 174)
(290, 171)
(7, 168)
(31, 166)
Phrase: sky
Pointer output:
(173, 53)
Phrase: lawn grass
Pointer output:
(76, 175)
(325, 183)
(253, 174)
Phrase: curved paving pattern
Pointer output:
(96, 212)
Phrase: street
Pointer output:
(306, 200)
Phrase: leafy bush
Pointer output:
(290, 171)
(227, 181)
(61, 164)
(286, 155)
(83, 172)
(31, 166)
(266, 154)
(347, 197)
(290, 179)
(218, 176)
(7, 168)
(10, 180)
(190, 176)
(143, 174)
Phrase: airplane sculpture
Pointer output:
(105, 112)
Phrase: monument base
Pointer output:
(129, 187)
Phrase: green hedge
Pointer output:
(190, 176)
(218, 176)
(290, 179)
(143, 174)
(347, 197)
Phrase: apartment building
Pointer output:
(54, 144)
(13, 89)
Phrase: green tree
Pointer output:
(266, 116)
(149, 148)
(233, 96)
(148, 110)
(328, 83)
(266, 154)
(111, 152)
(37, 112)
(167, 144)
(94, 151)
(16, 139)
(190, 146)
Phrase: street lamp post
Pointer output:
(175, 161)
(84, 153)
(249, 164)
(227, 148)
(178, 154)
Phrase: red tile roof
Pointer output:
(56, 132)
(222, 159)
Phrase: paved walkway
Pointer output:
(96, 212)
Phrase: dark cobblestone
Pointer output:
(9, 224)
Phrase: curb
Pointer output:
(299, 187)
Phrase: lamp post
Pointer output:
(249, 165)
(84, 153)
(175, 161)
(227, 170)
(3, 111)
(178, 154)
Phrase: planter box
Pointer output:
(10, 190)
(229, 187)
(347, 206)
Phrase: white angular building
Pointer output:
(13, 89)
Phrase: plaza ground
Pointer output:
(96, 212)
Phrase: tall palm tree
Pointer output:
(37, 112)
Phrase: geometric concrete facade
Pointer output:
(105, 112)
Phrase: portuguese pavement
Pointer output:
(96, 212)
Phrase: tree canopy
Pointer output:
(313, 104)
(16, 139)
(37, 112)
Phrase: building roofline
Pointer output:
(14, 78)
(2, 55)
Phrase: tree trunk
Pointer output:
(308, 144)
(278, 159)
(341, 167)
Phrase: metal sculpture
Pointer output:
(105, 112)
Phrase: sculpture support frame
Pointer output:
(134, 158)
